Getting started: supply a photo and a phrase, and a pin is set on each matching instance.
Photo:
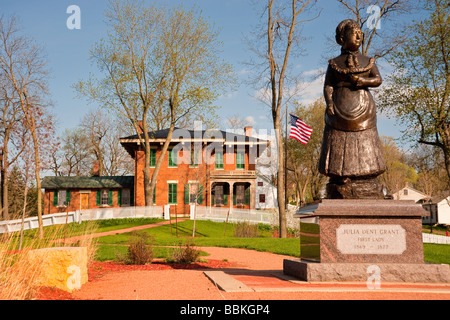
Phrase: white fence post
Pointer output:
(167, 212)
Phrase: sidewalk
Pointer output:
(253, 275)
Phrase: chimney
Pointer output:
(248, 131)
(96, 169)
(140, 127)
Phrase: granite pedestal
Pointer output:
(357, 234)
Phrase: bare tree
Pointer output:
(103, 135)
(280, 34)
(75, 153)
(12, 133)
(379, 21)
(24, 68)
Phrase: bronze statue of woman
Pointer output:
(351, 152)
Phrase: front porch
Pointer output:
(232, 189)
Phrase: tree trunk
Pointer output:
(38, 179)
(280, 179)
(4, 203)
(159, 162)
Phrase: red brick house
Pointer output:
(78, 193)
(207, 167)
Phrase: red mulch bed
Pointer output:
(97, 270)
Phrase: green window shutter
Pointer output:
(186, 193)
(213, 200)
(247, 196)
(55, 198)
(152, 158)
(119, 197)
(98, 197)
(154, 195)
(68, 197)
(225, 199)
(110, 198)
(132, 197)
(240, 160)
(219, 160)
(172, 193)
(200, 196)
(234, 199)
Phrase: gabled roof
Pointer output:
(116, 182)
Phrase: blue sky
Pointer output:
(68, 51)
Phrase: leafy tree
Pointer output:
(417, 92)
(160, 68)
(303, 160)
(398, 172)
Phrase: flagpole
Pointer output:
(285, 161)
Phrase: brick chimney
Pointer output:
(140, 126)
(248, 131)
(96, 169)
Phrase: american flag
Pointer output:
(299, 130)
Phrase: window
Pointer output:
(173, 157)
(152, 158)
(219, 195)
(405, 192)
(104, 198)
(260, 184)
(219, 160)
(61, 198)
(123, 197)
(172, 193)
(262, 198)
(240, 160)
(193, 193)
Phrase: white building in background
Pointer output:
(439, 207)
(408, 193)
(266, 167)
(266, 194)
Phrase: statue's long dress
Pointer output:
(351, 146)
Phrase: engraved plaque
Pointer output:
(371, 239)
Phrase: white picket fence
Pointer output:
(83, 215)
(217, 214)
(222, 214)
(434, 238)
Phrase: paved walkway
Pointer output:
(254, 275)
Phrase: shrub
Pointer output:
(184, 253)
(140, 249)
(245, 230)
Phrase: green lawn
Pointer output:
(212, 234)
(436, 253)
(208, 234)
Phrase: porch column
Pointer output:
(252, 195)
(230, 198)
